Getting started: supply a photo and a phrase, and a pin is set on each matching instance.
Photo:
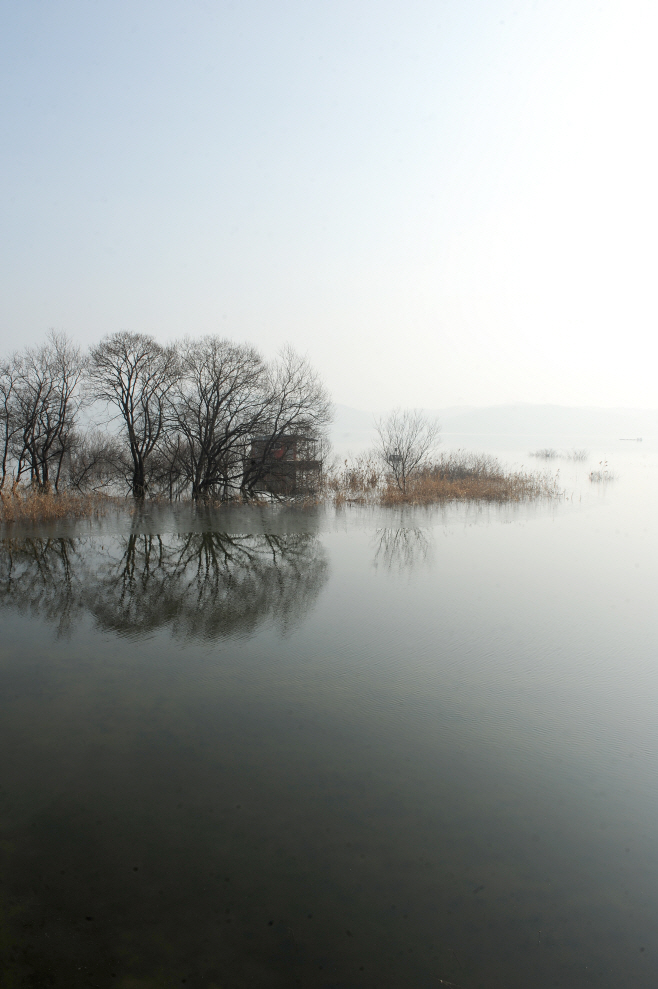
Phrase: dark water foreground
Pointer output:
(280, 749)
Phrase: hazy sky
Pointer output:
(446, 202)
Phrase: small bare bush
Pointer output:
(97, 462)
(602, 474)
(546, 453)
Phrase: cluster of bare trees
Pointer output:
(40, 400)
(168, 421)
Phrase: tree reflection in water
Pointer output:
(204, 585)
(401, 548)
(43, 576)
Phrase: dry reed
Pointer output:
(23, 504)
(356, 480)
(457, 476)
(602, 474)
(548, 453)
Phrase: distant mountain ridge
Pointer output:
(353, 429)
(562, 420)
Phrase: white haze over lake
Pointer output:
(443, 203)
(518, 431)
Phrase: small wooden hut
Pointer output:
(288, 463)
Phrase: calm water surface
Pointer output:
(278, 748)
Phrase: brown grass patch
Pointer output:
(30, 505)
(458, 476)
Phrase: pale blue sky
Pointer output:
(441, 203)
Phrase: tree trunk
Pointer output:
(139, 482)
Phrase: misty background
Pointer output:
(443, 204)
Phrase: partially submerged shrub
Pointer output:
(549, 453)
(602, 474)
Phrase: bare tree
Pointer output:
(407, 437)
(295, 402)
(226, 397)
(44, 407)
(216, 406)
(134, 373)
(9, 422)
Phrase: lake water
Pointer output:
(276, 748)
